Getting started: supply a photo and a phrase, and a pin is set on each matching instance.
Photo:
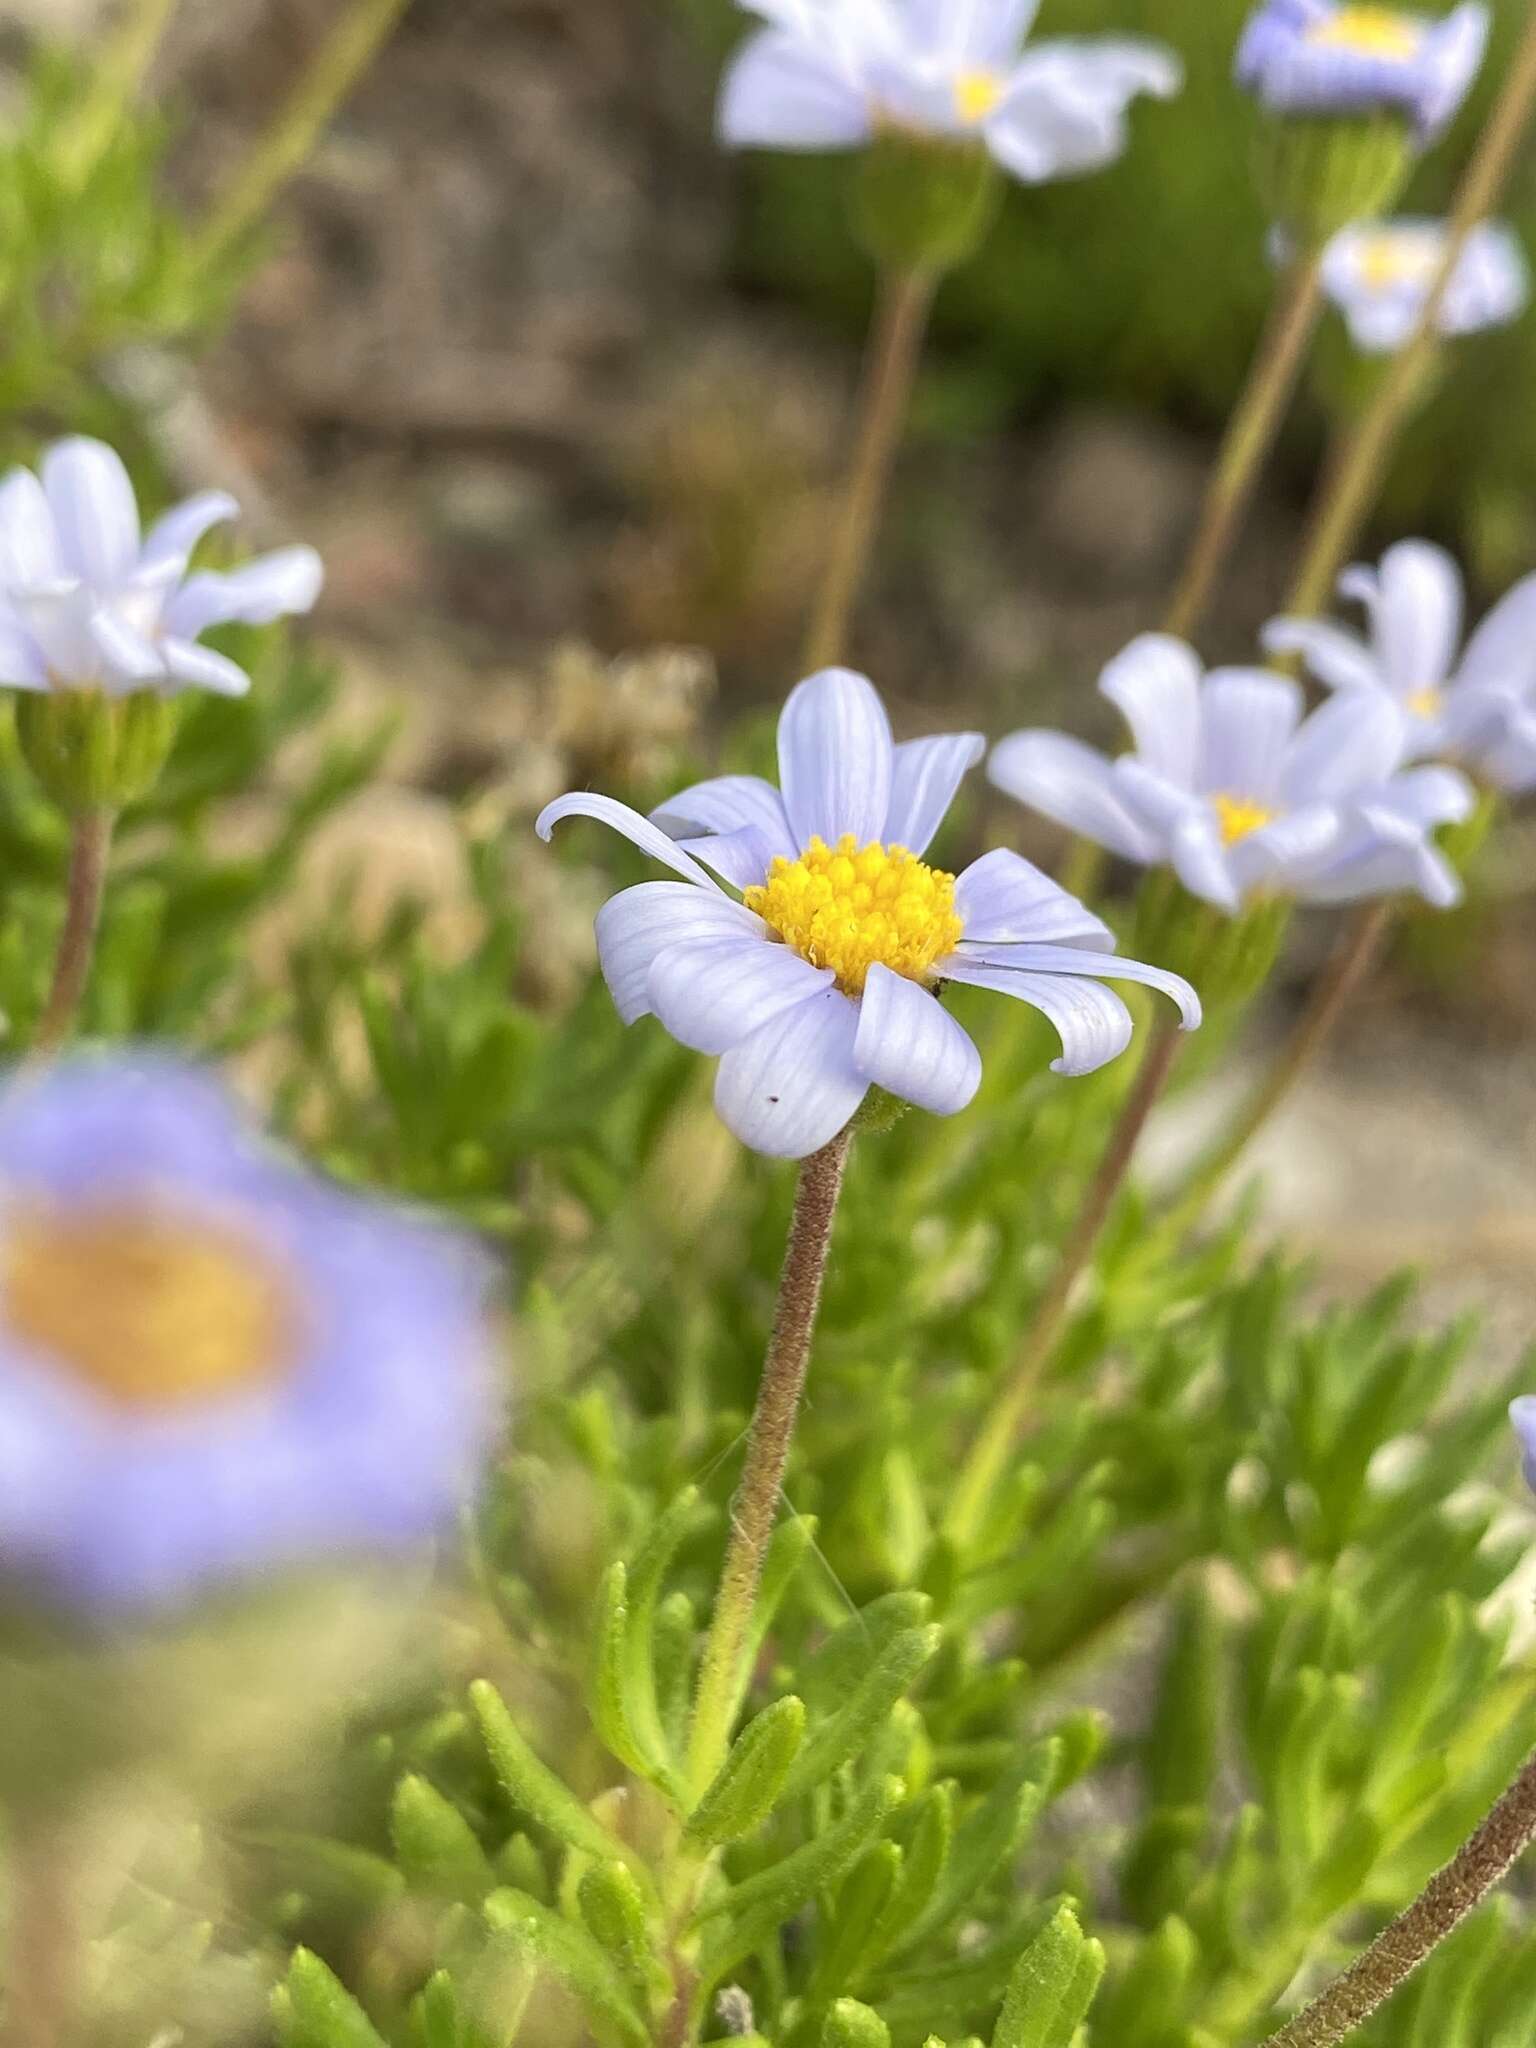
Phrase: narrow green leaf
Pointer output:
(851, 2025)
(862, 1904)
(435, 1845)
(611, 1704)
(613, 1906)
(792, 1542)
(922, 1868)
(846, 1732)
(752, 1778)
(646, 1574)
(1036, 2013)
(543, 1937)
(321, 2012)
(991, 1835)
(532, 1787)
(674, 1642)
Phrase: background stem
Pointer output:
(993, 1448)
(1249, 439)
(890, 371)
(755, 1507)
(89, 854)
(1414, 1936)
(42, 1979)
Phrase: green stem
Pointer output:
(340, 62)
(89, 857)
(1413, 1937)
(43, 1973)
(994, 1447)
(1342, 980)
(1355, 477)
(755, 1508)
(1250, 437)
(123, 66)
(890, 371)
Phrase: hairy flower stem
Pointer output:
(1250, 437)
(1415, 1935)
(755, 1507)
(356, 39)
(89, 855)
(1355, 476)
(1341, 981)
(994, 1447)
(890, 370)
(42, 1981)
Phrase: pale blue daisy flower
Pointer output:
(823, 981)
(1380, 275)
(1240, 793)
(831, 74)
(213, 1365)
(1331, 57)
(1475, 704)
(90, 602)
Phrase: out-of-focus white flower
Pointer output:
(832, 74)
(1380, 275)
(1475, 704)
(1244, 797)
(90, 602)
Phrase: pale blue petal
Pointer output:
(1417, 616)
(94, 510)
(1502, 652)
(21, 661)
(1201, 861)
(924, 778)
(1336, 657)
(791, 1087)
(1004, 899)
(129, 657)
(639, 923)
(1066, 960)
(1250, 717)
(648, 837)
(1351, 743)
(742, 858)
(58, 620)
(980, 35)
(1092, 1022)
(835, 759)
(1270, 857)
(782, 92)
(1429, 797)
(725, 804)
(1155, 685)
(1522, 1414)
(1065, 780)
(1384, 854)
(171, 540)
(714, 993)
(199, 668)
(1064, 111)
(909, 1045)
(276, 586)
(29, 541)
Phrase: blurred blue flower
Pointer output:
(1380, 274)
(1522, 1414)
(213, 1366)
(821, 983)
(1238, 792)
(89, 602)
(829, 74)
(1324, 57)
(1476, 705)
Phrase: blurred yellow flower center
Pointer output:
(148, 1311)
(1426, 703)
(976, 95)
(1371, 31)
(1391, 260)
(1240, 815)
(847, 907)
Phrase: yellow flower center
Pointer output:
(1369, 31)
(1389, 260)
(1240, 815)
(1426, 703)
(976, 96)
(149, 1311)
(847, 907)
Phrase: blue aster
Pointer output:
(1245, 797)
(820, 977)
(1380, 275)
(213, 1365)
(1332, 57)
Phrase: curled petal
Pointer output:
(199, 668)
(638, 924)
(275, 586)
(1340, 659)
(1111, 967)
(792, 1086)
(909, 1044)
(172, 540)
(726, 804)
(648, 837)
(1092, 1022)
(741, 858)
(712, 995)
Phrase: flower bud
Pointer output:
(923, 203)
(94, 752)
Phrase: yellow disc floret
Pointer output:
(847, 907)
(1427, 703)
(1390, 260)
(1370, 32)
(977, 94)
(1240, 815)
(148, 1310)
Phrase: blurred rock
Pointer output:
(1115, 497)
